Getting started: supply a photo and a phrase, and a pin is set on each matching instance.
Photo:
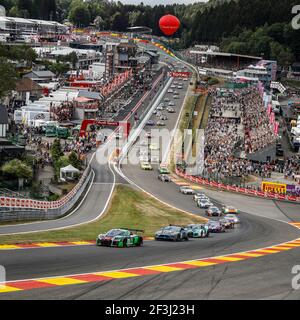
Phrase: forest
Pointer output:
(259, 27)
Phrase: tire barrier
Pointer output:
(245, 191)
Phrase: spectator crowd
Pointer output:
(238, 125)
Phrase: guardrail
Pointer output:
(18, 209)
(239, 190)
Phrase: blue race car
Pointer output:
(172, 233)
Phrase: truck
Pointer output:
(62, 132)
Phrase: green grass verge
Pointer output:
(129, 208)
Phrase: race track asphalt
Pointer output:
(254, 232)
(263, 223)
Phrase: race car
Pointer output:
(197, 231)
(229, 210)
(120, 238)
(163, 117)
(186, 190)
(213, 212)
(172, 233)
(199, 196)
(204, 204)
(150, 123)
(160, 107)
(160, 123)
(164, 178)
(154, 146)
(232, 217)
(163, 170)
(170, 110)
(228, 224)
(215, 227)
(146, 166)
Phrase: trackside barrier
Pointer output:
(12, 209)
(245, 191)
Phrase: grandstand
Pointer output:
(220, 60)
(140, 29)
(15, 25)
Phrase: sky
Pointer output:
(157, 2)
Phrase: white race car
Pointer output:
(204, 204)
(233, 218)
(186, 190)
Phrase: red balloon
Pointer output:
(169, 24)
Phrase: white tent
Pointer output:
(68, 172)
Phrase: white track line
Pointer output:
(165, 264)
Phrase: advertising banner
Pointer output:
(279, 188)
(180, 74)
(293, 189)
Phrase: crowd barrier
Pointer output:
(245, 191)
(25, 204)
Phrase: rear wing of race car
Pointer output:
(133, 230)
(176, 225)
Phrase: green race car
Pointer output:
(163, 170)
(121, 238)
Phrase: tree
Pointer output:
(18, 169)
(56, 151)
(14, 12)
(72, 58)
(44, 9)
(60, 163)
(80, 15)
(29, 56)
(25, 8)
(119, 22)
(99, 23)
(133, 18)
(8, 77)
(282, 54)
(74, 160)
(59, 68)
(236, 47)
